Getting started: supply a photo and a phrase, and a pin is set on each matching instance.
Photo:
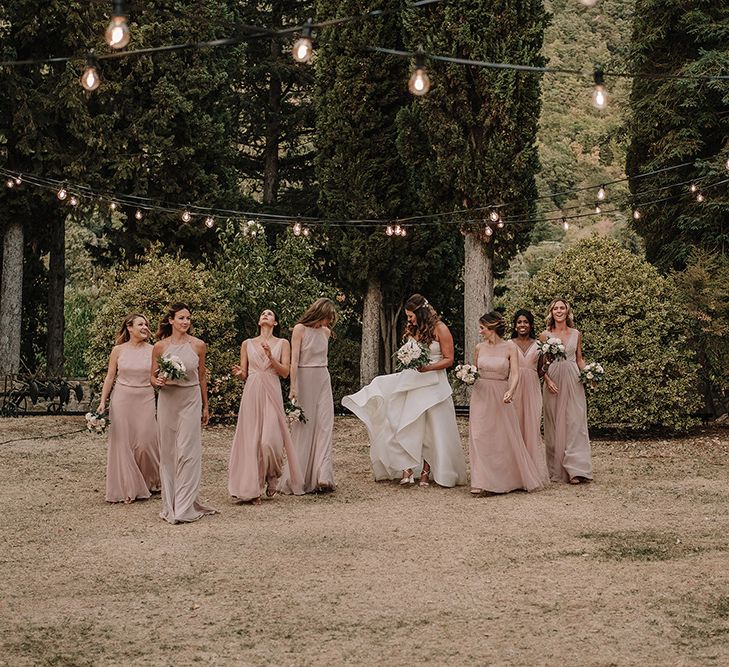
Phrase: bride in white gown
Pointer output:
(409, 415)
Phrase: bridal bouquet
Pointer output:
(552, 349)
(294, 412)
(466, 374)
(171, 367)
(411, 355)
(96, 423)
(591, 375)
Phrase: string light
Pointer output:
(500, 224)
(186, 216)
(419, 83)
(138, 215)
(488, 231)
(210, 222)
(18, 179)
(588, 3)
(693, 187)
(306, 231)
(636, 214)
(112, 206)
(90, 78)
(303, 48)
(397, 230)
(494, 216)
(601, 194)
(10, 183)
(117, 32)
(297, 229)
(727, 164)
(565, 224)
(700, 198)
(73, 200)
(62, 193)
(599, 95)
(598, 210)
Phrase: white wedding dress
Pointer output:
(410, 418)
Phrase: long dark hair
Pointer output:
(525, 313)
(426, 319)
(164, 330)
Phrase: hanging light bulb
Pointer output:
(62, 193)
(494, 216)
(598, 209)
(588, 3)
(112, 206)
(693, 187)
(700, 198)
(389, 230)
(306, 231)
(186, 216)
(297, 229)
(303, 48)
(138, 214)
(419, 83)
(10, 183)
(90, 78)
(636, 214)
(396, 230)
(565, 224)
(210, 222)
(500, 224)
(601, 194)
(599, 95)
(727, 164)
(117, 32)
(18, 179)
(403, 231)
(488, 231)
(73, 200)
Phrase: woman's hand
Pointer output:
(237, 371)
(424, 369)
(508, 396)
(205, 416)
(101, 408)
(551, 387)
(159, 381)
(266, 349)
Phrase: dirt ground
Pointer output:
(631, 569)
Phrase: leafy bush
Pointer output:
(632, 321)
(78, 306)
(149, 288)
(344, 368)
(703, 288)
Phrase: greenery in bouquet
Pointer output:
(294, 412)
(591, 375)
(552, 348)
(96, 422)
(171, 367)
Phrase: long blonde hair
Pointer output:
(122, 336)
(549, 319)
(321, 309)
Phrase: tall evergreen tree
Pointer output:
(679, 120)
(474, 142)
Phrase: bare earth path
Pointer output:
(632, 569)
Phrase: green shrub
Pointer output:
(632, 321)
(149, 288)
(344, 368)
(78, 306)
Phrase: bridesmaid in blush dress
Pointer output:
(311, 387)
(132, 468)
(528, 394)
(182, 410)
(569, 455)
(262, 434)
(500, 461)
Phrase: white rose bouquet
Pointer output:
(591, 375)
(412, 355)
(171, 367)
(294, 412)
(96, 422)
(552, 348)
(466, 374)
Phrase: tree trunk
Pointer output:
(388, 330)
(478, 287)
(56, 286)
(11, 298)
(369, 359)
(273, 121)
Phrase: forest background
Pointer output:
(248, 129)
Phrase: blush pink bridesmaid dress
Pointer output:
(262, 434)
(500, 461)
(528, 404)
(132, 465)
(565, 418)
(313, 440)
(179, 415)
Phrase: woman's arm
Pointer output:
(201, 352)
(242, 370)
(284, 366)
(109, 379)
(444, 337)
(513, 373)
(296, 336)
(578, 352)
(543, 367)
(157, 351)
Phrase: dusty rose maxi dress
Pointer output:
(565, 418)
(179, 412)
(500, 461)
(313, 440)
(262, 434)
(528, 404)
(132, 465)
